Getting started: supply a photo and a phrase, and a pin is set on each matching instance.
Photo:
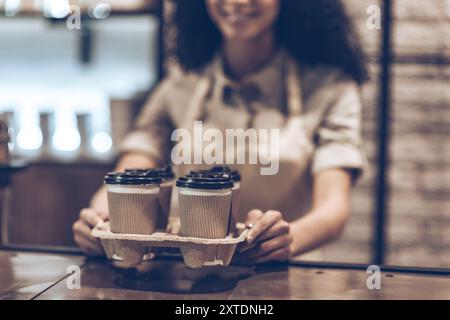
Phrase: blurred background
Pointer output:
(70, 95)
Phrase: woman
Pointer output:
(294, 65)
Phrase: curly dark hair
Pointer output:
(314, 32)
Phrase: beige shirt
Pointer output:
(322, 130)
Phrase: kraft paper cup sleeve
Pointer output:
(235, 206)
(131, 211)
(164, 201)
(204, 215)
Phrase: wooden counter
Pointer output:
(44, 276)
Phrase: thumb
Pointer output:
(253, 216)
(103, 215)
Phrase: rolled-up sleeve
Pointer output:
(338, 137)
(151, 132)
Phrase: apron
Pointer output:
(259, 191)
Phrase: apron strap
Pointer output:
(294, 90)
(195, 105)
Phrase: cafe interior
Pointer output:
(71, 87)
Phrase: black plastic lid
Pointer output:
(165, 173)
(235, 175)
(133, 178)
(208, 183)
(137, 171)
(209, 174)
(200, 173)
(209, 177)
(221, 176)
(147, 173)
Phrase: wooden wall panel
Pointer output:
(46, 200)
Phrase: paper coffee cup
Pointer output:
(236, 198)
(165, 194)
(133, 202)
(204, 206)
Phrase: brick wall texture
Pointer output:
(418, 226)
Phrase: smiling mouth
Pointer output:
(238, 18)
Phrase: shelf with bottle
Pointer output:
(68, 135)
(63, 8)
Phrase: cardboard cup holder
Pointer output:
(132, 249)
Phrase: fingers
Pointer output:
(279, 228)
(91, 217)
(103, 215)
(87, 246)
(267, 247)
(274, 244)
(82, 229)
(266, 251)
(247, 256)
(82, 236)
(265, 222)
(253, 216)
(282, 254)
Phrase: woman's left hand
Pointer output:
(268, 240)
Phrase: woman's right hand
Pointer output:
(82, 231)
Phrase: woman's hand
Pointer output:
(82, 231)
(268, 240)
